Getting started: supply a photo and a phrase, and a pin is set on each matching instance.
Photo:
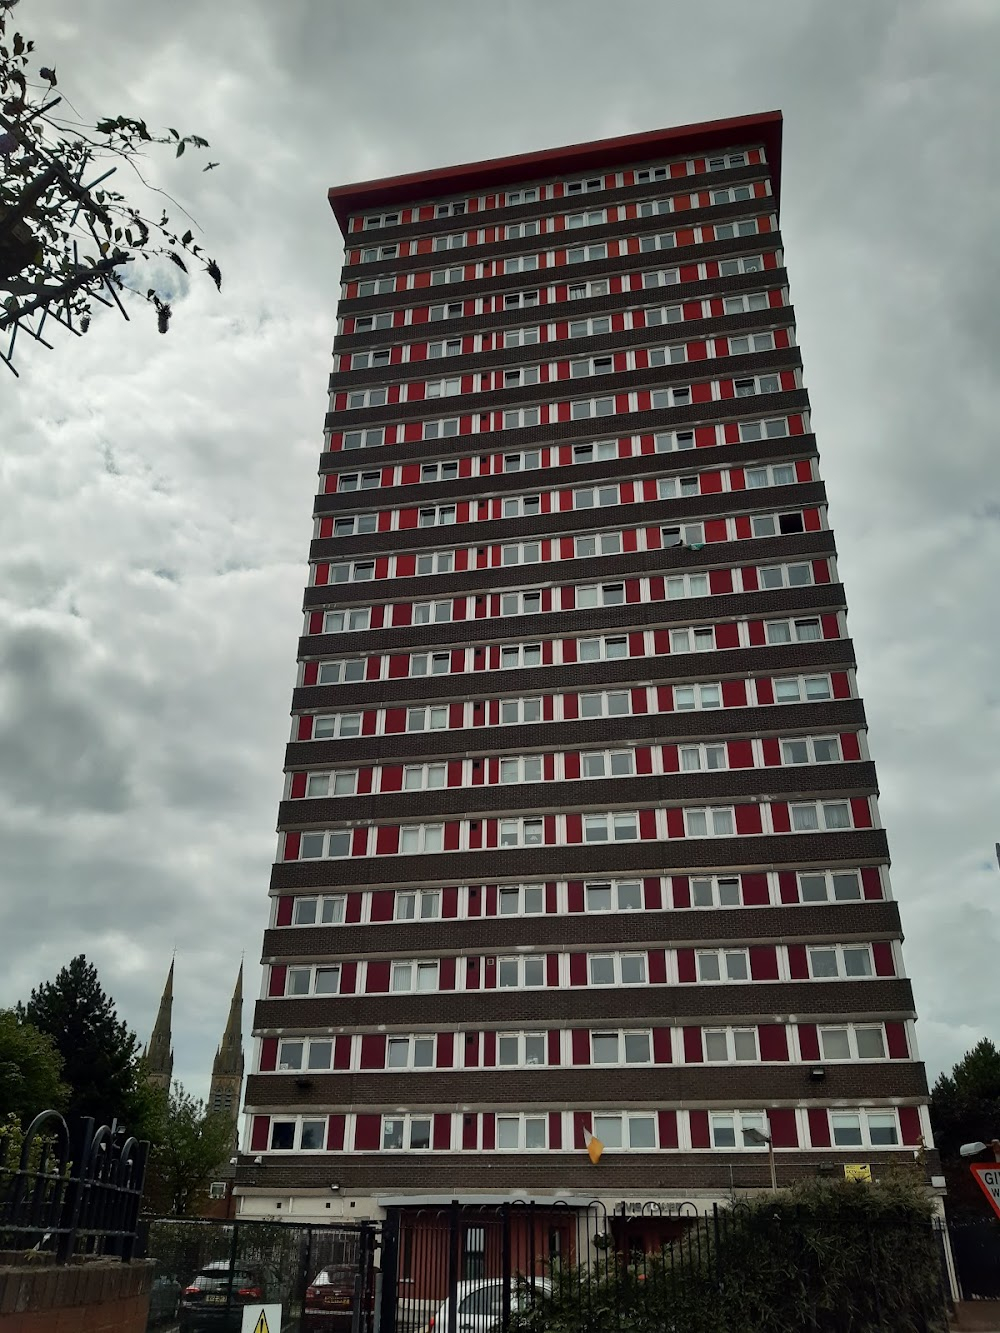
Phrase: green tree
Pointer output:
(190, 1146)
(965, 1108)
(101, 1062)
(67, 240)
(30, 1070)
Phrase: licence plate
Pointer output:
(215, 1300)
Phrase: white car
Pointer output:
(480, 1304)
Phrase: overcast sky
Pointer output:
(156, 492)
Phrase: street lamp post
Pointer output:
(759, 1137)
(972, 1149)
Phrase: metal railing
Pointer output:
(71, 1193)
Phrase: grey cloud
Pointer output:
(129, 453)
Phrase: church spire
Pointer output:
(227, 1068)
(159, 1055)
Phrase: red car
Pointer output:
(330, 1297)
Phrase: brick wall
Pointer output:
(90, 1296)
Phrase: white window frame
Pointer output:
(725, 965)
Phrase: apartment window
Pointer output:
(665, 241)
(689, 697)
(408, 976)
(619, 826)
(358, 523)
(746, 264)
(774, 525)
(583, 187)
(595, 218)
(815, 815)
(319, 911)
(298, 1135)
(716, 891)
(589, 328)
(525, 768)
(436, 516)
(626, 1131)
(807, 630)
(331, 845)
(687, 585)
(417, 904)
(777, 474)
(335, 673)
(521, 899)
(522, 506)
(650, 174)
(417, 838)
(370, 360)
(447, 347)
(521, 972)
(520, 300)
(336, 622)
(457, 241)
(313, 980)
(376, 286)
(523, 462)
(337, 726)
(521, 337)
(693, 640)
(520, 1049)
(369, 323)
(528, 196)
(664, 278)
(673, 488)
(617, 969)
(623, 895)
(602, 649)
(520, 655)
(727, 160)
(675, 397)
(437, 430)
(406, 1133)
(431, 613)
(763, 430)
(521, 264)
(410, 1053)
(442, 388)
(755, 342)
(607, 764)
(450, 310)
(382, 220)
(380, 252)
(523, 1133)
(823, 886)
(729, 1130)
(592, 365)
(598, 543)
(522, 832)
(811, 750)
(427, 719)
(443, 276)
(730, 1045)
(852, 1043)
(521, 416)
(616, 703)
(425, 777)
(578, 291)
(520, 710)
(667, 356)
(520, 603)
(670, 442)
(521, 553)
(301, 1054)
(598, 451)
(365, 481)
(342, 783)
(840, 960)
(793, 689)
(857, 1129)
(430, 664)
(709, 822)
(723, 965)
(688, 534)
(726, 231)
(621, 1048)
(733, 195)
(786, 576)
(601, 594)
(435, 562)
(702, 758)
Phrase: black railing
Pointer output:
(71, 1194)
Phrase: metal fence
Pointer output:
(975, 1247)
(534, 1268)
(231, 1263)
(71, 1194)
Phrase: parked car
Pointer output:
(330, 1297)
(209, 1306)
(164, 1298)
(480, 1304)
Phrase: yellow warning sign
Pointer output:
(261, 1319)
(857, 1171)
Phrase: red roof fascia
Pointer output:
(705, 137)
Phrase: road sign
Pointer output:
(857, 1171)
(987, 1175)
(261, 1319)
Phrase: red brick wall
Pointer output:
(103, 1296)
